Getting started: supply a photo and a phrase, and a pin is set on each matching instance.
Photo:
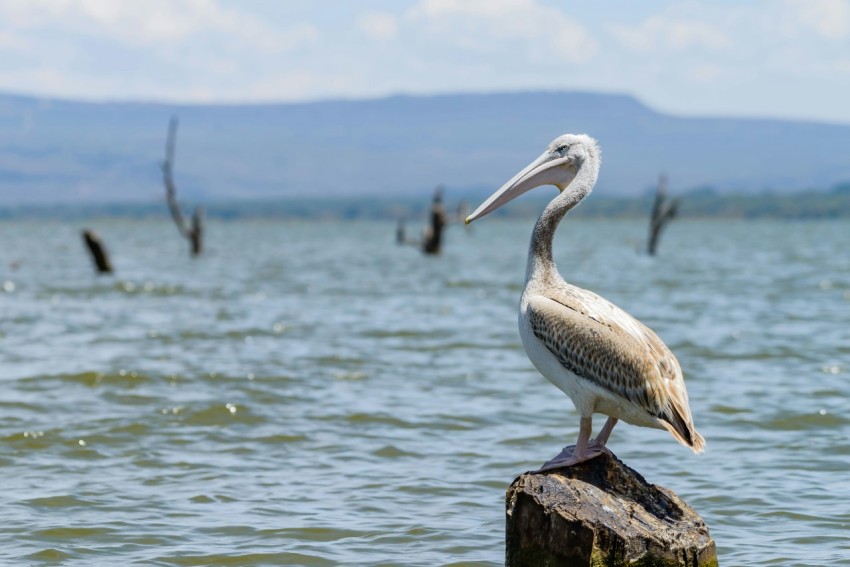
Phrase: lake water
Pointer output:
(312, 394)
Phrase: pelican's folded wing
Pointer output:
(596, 352)
(600, 342)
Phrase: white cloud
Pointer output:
(152, 23)
(479, 8)
(827, 18)
(378, 25)
(492, 25)
(706, 73)
(151, 49)
(790, 25)
(686, 55)
(13, 42)
(708, 42)
(662, 32)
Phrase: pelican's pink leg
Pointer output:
(601, 439)
(574, 454)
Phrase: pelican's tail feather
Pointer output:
(682, 428)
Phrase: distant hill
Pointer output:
(60, 151)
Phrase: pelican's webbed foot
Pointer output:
(568, 457)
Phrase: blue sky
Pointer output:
(777, 58)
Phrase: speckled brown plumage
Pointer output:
(599, 342)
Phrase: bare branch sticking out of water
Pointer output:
(434, 235)
(193, 233)
(663, 210)
(97, 251)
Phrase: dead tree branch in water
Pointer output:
(194, 232)
(434, 234)
(663, 210)
(97, 251)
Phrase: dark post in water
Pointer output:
(194, 232)
(97, 251)
(663, 210)
(434, 235)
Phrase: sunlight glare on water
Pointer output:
(312, 394)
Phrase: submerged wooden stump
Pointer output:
(434, 235)
(663, 211)
(98, 252)
(601, 513)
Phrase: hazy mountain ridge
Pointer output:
(399, 146)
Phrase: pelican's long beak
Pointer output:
(548, 169)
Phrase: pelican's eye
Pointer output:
(562, 149)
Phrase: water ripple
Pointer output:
(340, 401)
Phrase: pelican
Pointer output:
(604, 359)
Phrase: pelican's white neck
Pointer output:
(541, 265)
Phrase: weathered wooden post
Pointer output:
(196, 232)
(434, 235)
(663, 210)
(601, 513)
(193, 233)
(97, 251)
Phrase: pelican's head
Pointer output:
(556, 166)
